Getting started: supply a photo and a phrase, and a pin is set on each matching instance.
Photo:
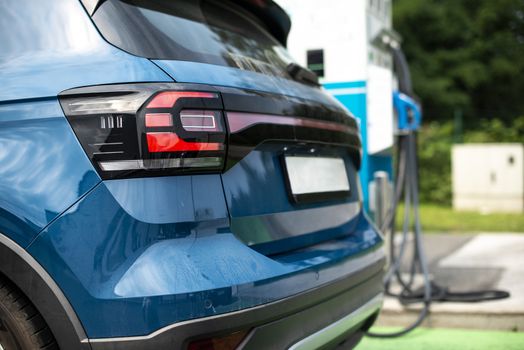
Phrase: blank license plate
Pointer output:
(316, 178)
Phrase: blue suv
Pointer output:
(171, 179)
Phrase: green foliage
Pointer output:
(435, 142)
(437, 218)
(434, 145)
(495, 130)
(465, 54)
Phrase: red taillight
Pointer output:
(228, 342)
(170, 142)
(168, 99)
(137, 131)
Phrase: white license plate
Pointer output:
(311, 178)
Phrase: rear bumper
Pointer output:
(339, 331)
(134, 268)
(319, 318)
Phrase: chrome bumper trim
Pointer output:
(337, 329)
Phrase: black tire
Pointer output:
(21, 325)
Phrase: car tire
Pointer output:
(21, 325)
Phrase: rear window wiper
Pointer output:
(302, 74)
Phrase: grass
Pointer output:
(440, 218)
(445, 339)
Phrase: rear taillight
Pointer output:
(147, 129)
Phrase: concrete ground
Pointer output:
(469, 263)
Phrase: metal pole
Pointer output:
(382, 196)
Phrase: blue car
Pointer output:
(171, 179)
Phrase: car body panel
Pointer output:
(56, 44)
(110, 263)
(43, 168)
(56, 48)
(262, 214)
(279, 324)
(133, 256)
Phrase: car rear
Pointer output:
(226, 211)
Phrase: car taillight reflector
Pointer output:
(159, 164)
(227, 342)
(193, 120)
(159, 120)
(137, 130)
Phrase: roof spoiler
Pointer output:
(276, 19)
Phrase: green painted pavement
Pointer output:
(445, 339)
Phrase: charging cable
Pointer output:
(406, 188)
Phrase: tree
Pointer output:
(465, 54)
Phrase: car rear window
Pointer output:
(206, 31)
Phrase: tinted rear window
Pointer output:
(206, 31)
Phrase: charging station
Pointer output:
(343, 43)
(354, 50)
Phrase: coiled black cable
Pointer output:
(406, 185)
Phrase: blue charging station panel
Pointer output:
(353, 96)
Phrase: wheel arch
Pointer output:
(17, 265)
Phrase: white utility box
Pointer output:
(488, 177)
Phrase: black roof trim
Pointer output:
(91, 5)
(270, 13)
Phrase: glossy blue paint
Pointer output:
(112, 264)
(246, 184)
(136, 255)
(167, 200)
(51, 46)
(259, 215)
(43, 169)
